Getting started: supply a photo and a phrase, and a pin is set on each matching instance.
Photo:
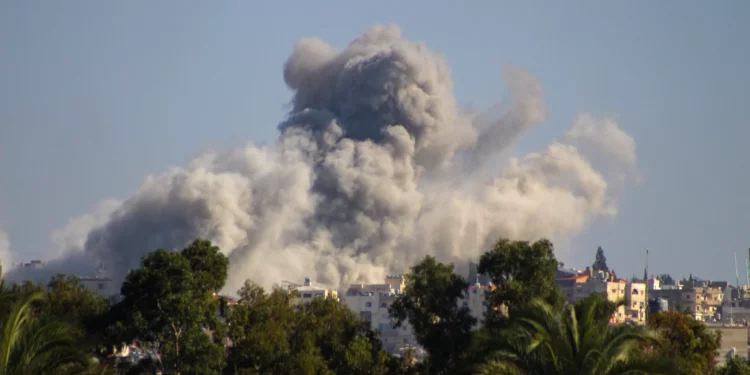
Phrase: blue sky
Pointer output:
(96, 95)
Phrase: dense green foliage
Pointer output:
(31, 344)
(735, 366)
(574, 340)
(169, 305)
(429, 304)
(521, 272)
(271, 335)
(689, 342)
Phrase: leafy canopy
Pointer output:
(430, 304)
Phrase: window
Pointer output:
(307, 295)
(635, 291)
(475, 291)
(383, 305)
(101, 286)
(366, 315)
(466, 304)
(368, 304)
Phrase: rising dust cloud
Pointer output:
(374, 167)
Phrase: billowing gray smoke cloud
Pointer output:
(374, 167)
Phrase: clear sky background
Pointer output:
(96, 95)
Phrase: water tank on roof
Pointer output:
(657, 305)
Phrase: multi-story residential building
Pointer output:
(616, 291)
(308, 291)
(637, 302)
(580, 286)
(371, 302)
(102, 284)
(703, 303)
(475, 299)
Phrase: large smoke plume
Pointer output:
(374, 167)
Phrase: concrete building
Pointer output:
(734, 342)
(34, 264)
(637, 297)
(582, 285)
(617, 291)
(475, 300)
(371, 303)
(704, 302)
(101, 284)
(308, 291)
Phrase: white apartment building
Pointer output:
(371, 303)
(101, 284)
(475, 300)
(307, 291)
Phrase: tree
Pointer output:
(735, 366)
(544, 339)
(272, 336)
(31, 346)
(521, 273)
(430, 304)
(210, 267)
(687, 341)
(169, 302)
(666, 279)
(259, 328)
(600, 262)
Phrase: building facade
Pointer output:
(307, 292)
(637, 297)
(586, 283)
(371, 302)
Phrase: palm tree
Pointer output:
(573, 340)
(31, 346)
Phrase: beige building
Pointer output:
(307, 291)
(734, 342)
(637, 302)
(703, 303)
(616, 291)
(580, 286)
